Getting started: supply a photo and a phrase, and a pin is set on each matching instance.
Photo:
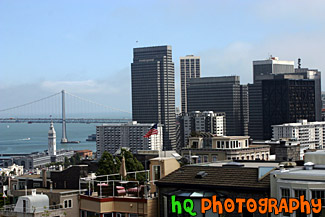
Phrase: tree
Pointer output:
(77, 157)
(66, 162)
(132, 164)
(73, 160)
(107, 165)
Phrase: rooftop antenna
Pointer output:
(299, 63)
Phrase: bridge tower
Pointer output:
(64, 129)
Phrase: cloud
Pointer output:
(80, 87)
(236, 58)
(112, 91)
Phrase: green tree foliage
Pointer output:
(107, 165)
(77, 157)
(72, 160)
(66, 162)
(132, 164)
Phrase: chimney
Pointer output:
(44, 177)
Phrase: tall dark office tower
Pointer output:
(274, 69)
(263, 70)
(287, 101)
(153, 90)
(314, 74)
(221, 94)
(189, 68)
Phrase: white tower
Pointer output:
(52, 141)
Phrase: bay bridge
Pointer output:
(53, 108)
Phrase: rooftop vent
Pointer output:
(233, 164)
(201, 174)
(309, 166)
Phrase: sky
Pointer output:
(85, 47)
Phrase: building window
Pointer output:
(318, 194)
(156, 172)
(68, 203)
(205, 158)
(214, 158)
(285, 193)
(298, 193)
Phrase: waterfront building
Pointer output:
(210, 148)
(265, 102)
(40, 159)
(206, 121)
(85, 154)
(221, 94)
(153, 90)
(112, 137)
(52, 141)
(189, 68)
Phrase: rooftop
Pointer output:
(220, 177)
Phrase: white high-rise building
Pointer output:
(207, 121)
(112, 137)
(310, 135)
(52, 141)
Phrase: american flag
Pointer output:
(153, 131)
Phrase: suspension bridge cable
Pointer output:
(89, 101)
(29, 103)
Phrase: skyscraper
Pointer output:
(294, 89)
(221, 94)
(153, 90)
(262, 70)
(287, 101)
(189, 68)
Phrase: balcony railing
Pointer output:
(11, 209)
(104, 186)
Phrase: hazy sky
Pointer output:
(85, 47)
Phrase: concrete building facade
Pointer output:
(210, 148)
(112, 137)
(189, 68)
(206, 121)
(310, 135)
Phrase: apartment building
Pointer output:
(111, 137)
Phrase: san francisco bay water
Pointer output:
(14, 137)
